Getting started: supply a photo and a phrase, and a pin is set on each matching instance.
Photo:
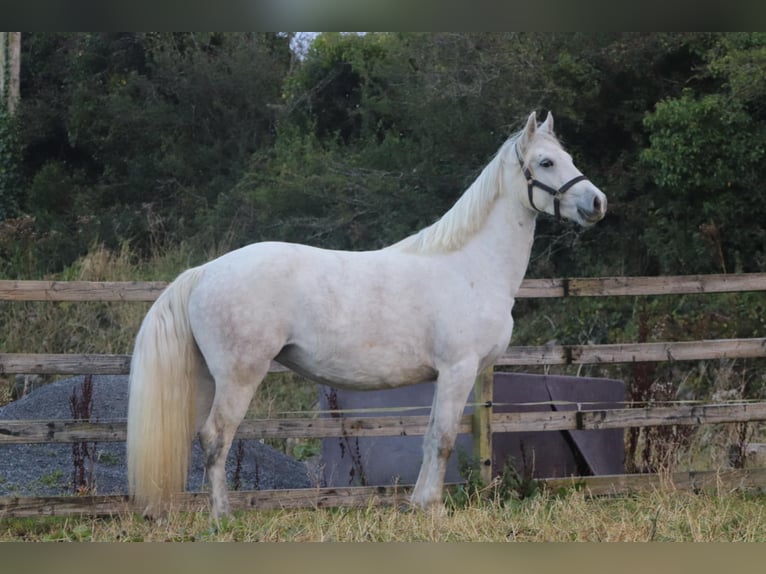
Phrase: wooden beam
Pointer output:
(678, 284)
(541, 289)
(364, 496)
(68, 431)
(621, 484)
(530, 288)
(61, 431)
(482, 422)
(83, 364)
(630, 417)
(80, 290)
(408, 425)
(63, 364)
(634, 352)
(95, 364)
(623, 286)
(119, 504)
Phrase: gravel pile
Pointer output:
(47, 469)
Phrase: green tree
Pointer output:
(129, 137)
(411, 118)
(706, 157)
(383, 132)
(157, 137)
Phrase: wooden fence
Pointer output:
(483, 423)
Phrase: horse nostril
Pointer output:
(597, 204)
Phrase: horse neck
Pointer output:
(463, 221)
(489, 230)
(504, 243)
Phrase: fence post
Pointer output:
(482, 422)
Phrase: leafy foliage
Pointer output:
(706, 153)
(128, 137)
(155, 138)
(508, 487)
(9, 165)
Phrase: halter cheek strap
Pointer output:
(532, 183)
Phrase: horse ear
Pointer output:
(529, 130)
(531, 124)
(547, 125)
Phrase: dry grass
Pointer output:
(662, 515)
(85, 327)
(82, 327)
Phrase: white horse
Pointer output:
(434, 307)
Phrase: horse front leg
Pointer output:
(452, 388)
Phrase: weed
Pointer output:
(108, 459)
(470, 491)
(240, 455)
(348, 446)
(52, 479)
(257, 476)
(515, 485)
(80, 406)
(509, 485)
(7, 389)
(306, 450)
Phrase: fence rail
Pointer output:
(483, 423)
(363, 496)
(72, 431)
(94, 364)
(621, 286)
(80, 290)
(530, 288)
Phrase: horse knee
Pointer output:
(447, 443)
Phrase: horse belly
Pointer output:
(358, 369)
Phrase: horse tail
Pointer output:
(163, 374)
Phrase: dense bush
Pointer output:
(155, 138)
(130, 137)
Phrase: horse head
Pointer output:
(553, 184)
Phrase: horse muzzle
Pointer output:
(593, 208)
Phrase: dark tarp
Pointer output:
(386, 460)
(558, 453)
(381, 460)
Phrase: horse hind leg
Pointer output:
(452, 388)
(205, 392)
(233, 395)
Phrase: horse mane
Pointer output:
(466, 216)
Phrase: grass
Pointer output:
(662, 515)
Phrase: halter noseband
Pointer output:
(556, 193)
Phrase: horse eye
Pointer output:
(546, 163)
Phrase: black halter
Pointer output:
(532, 183)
